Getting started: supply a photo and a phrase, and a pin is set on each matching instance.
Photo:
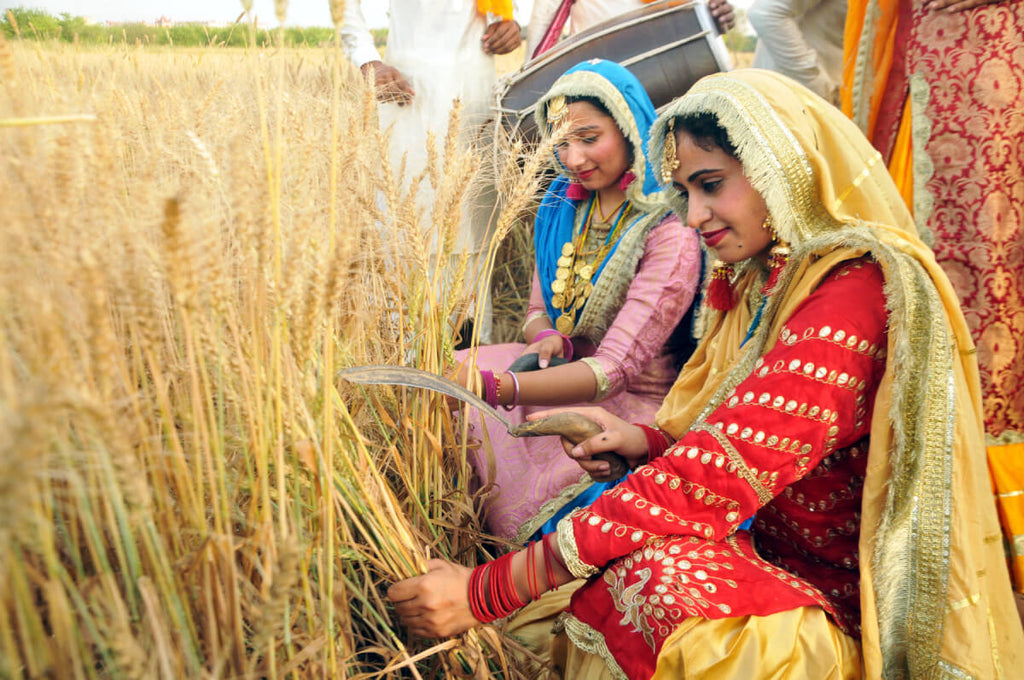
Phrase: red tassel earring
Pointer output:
(626, 179)
(720, 294)
(576, 192)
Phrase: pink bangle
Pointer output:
(515, 392)
(490, 394)
(566, 341)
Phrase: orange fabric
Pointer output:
(499, 8)
(884, 30)
(901, 163)
(1006, 463)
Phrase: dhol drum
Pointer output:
(667, 45)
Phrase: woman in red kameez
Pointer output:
(833, 399)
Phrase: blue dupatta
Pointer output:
(623, 96)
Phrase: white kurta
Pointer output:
(802, 39)
(436, 44)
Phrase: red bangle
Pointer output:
(492, 591)
(657, 441)
(549, 562)
(531, 572)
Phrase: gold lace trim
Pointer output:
(592, 642)
(550, 507)
(763, 495)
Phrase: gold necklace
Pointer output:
(572, 285)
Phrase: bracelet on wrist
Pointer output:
(515, 392)
(657, 441)
(567, 348)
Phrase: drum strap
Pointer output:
(554, 31)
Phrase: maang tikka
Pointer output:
(669, 161)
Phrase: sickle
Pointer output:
(573, 426)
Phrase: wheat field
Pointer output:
(194, 243)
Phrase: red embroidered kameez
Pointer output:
(800, 422)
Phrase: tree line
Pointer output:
(33, 24)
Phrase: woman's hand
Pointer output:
(470, 379)
(618, 436)
(435, 604)
(545, 348)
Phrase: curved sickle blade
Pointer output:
(414, 377)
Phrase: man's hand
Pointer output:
(723, 14)
(389, 83)
(955, 5)
(501, 37)
(435, 604)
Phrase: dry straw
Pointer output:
(186, 490)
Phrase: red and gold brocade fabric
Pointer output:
(788, 445)
(941, 95)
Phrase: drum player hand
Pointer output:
(390, 84)
(723, 14)
(501, 37)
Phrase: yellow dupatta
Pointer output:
(935, 592)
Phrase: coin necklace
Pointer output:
(572, 284)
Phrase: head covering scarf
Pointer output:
(934, 587)
(631, 108)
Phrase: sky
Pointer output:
(300, 12)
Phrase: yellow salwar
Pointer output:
(792, 645)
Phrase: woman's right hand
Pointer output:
(617, 436)
(545, 348)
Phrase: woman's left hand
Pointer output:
(435, 604)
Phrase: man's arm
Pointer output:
(357, 41)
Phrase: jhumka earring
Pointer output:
(720, 294)
(778, 256)
(669, 161)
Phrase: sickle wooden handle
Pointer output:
(576, 428)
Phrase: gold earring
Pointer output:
(769, 226)
(669, 160)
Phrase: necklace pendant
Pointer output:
(565, 324)
(567, 249)
(586, 271)
(558, 286)
(564, 261)
(558, 300)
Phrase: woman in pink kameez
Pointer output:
(616, 275)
